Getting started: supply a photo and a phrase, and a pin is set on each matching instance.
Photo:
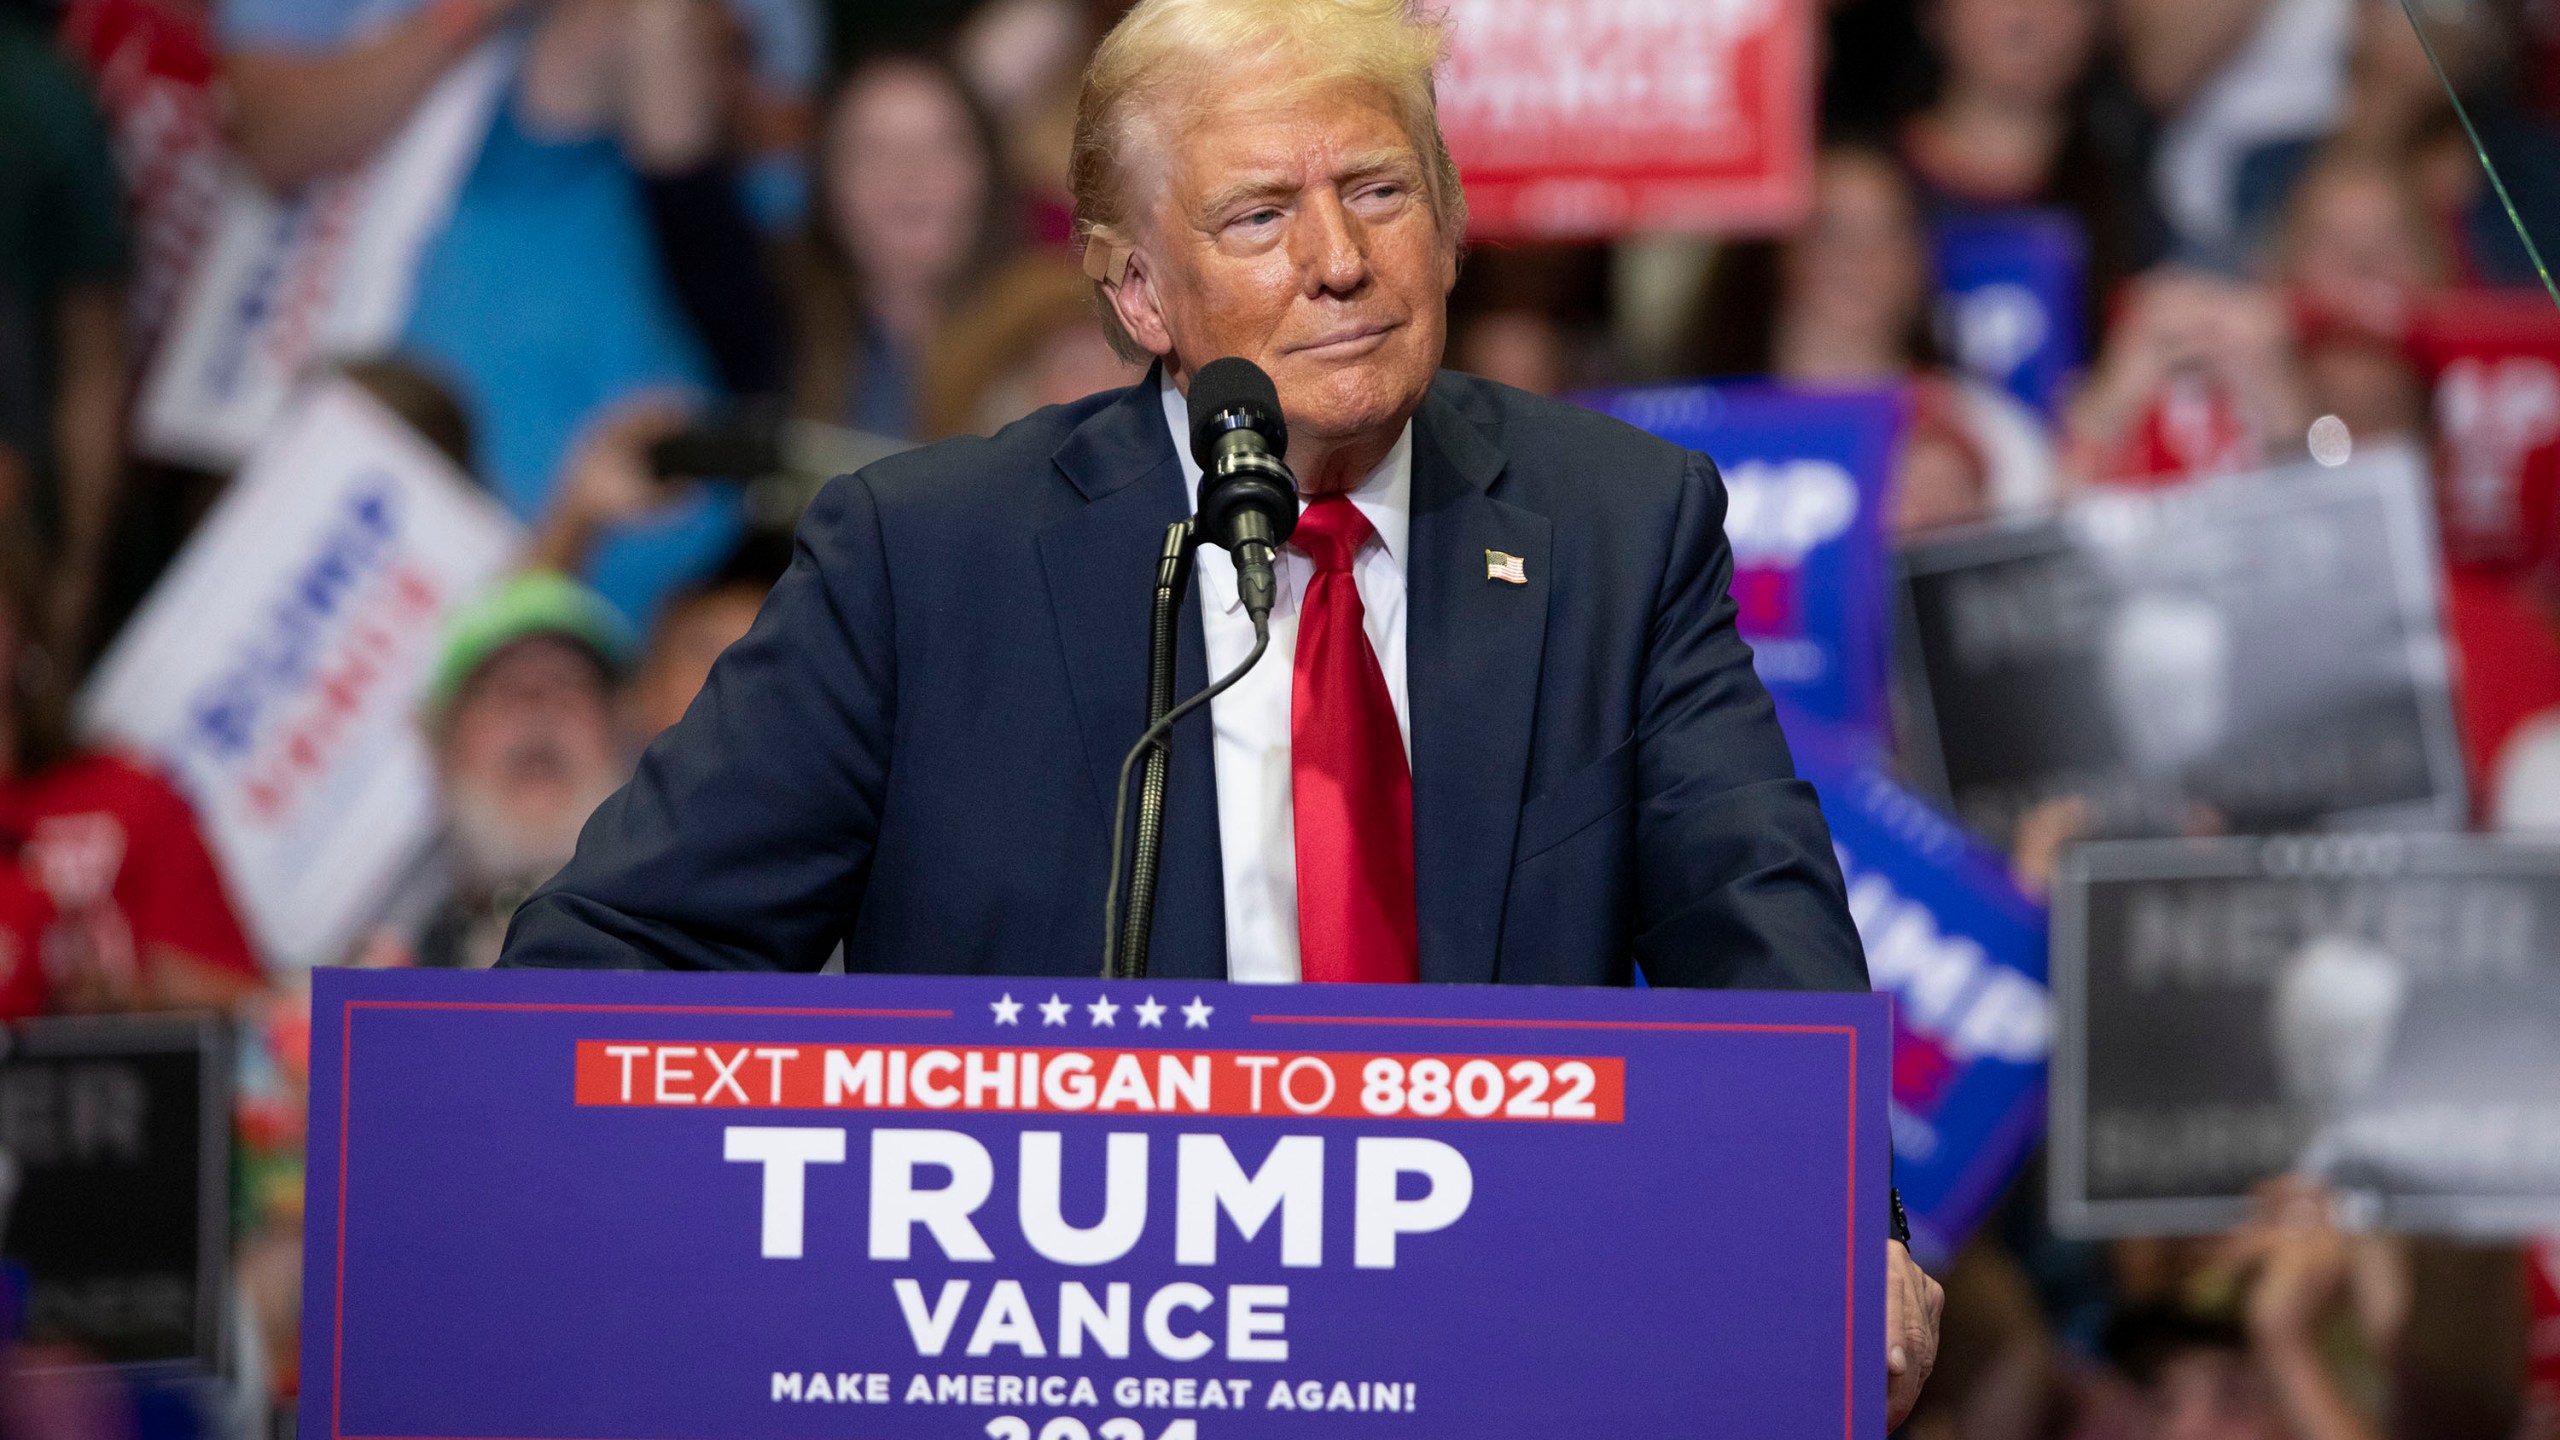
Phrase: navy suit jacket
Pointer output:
(915, 749)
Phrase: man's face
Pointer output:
(528, 751)
(1298, 233)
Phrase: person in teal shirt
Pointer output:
(543, 300)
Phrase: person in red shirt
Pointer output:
(108, 898)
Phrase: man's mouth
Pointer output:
(1346, 342)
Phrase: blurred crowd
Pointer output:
(695, 214)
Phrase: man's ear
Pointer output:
(1133, 299)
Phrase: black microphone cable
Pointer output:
(1246, 504)
(1155, 734)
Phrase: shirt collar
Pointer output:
(1384, 495)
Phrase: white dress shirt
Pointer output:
(1257, 836)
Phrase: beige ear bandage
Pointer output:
(1104, 260)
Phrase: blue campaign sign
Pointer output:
(1808, 475)
(2009, 287)
(756, 1207)
(1962, 952)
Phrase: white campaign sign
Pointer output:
(275, 673)
(329, 271)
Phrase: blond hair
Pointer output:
(1160, 52)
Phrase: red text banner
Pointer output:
(1587, 1089)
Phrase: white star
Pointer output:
(1195, 1016)
(1150, 1014)
(1053, 1011)
(1103, 1010)
(1008, 1010)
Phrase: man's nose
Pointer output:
(1332, 249)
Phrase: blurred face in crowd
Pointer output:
(690, 636)
(1023, 58)
(2212, 1395)
(2357, 259)
(1292, 225)
(907, 175)
(1013, 51)
(1856, 275)
(528, 750)
(2019, 52)
(2356, 251)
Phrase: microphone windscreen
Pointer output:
(1234, 386)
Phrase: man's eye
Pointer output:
(1258, 218)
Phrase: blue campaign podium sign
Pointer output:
(677, 1207)
(1962, 952)
(2009, 287)
(1807, 475)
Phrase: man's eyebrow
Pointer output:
(1226, 197)
(1369, 165)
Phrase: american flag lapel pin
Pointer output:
(1499, 566)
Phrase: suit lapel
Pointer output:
(1473, 649)
(1099, 564)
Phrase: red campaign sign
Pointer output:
(1592, 118)
(2510, 663)
(2492, 364)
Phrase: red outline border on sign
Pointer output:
(346, 1081)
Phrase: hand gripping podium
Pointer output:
(585, 1206)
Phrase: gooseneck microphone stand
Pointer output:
(1247, 503)
(1173, 575)
(1114, 961)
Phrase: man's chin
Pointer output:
(1343, 401)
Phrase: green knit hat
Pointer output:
(536, 602)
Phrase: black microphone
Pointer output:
(1248, 498)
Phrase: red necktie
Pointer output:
(1351, 789)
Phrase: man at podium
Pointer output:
(1505, 730)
